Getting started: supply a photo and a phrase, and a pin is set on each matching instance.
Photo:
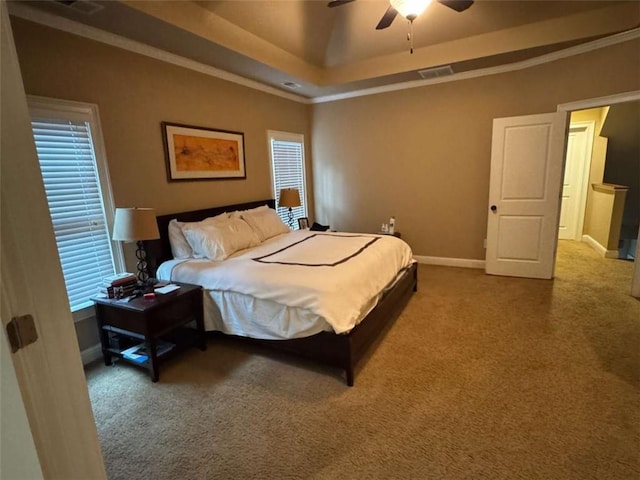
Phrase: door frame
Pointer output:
(590, 126)
(625, 97)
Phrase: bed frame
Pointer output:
(339, 350)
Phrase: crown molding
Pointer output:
(532, 62)
(26, 12)
(600, 101)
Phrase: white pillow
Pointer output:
(218, 240)
(239, 213)
(180, 248)
(266, 223)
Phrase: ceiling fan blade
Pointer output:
(457, 5)
(337, 3)
(387, 18)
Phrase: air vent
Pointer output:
(291, 85)
(82, 6)
(436, 72)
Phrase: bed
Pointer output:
(306, 332)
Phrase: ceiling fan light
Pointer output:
(410, 9)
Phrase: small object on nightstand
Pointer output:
(317, 227)
(167, 288)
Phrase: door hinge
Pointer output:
(21, 332)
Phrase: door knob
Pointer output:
(494, 208)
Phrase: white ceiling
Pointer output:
(337, 50)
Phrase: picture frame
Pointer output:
(200, 153)
(303, 223)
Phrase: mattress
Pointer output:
(295, 284)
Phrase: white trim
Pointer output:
(589, 128)
(450, 262)
(593, 243)
(38, 103)
(600, 101)
(91, 354)
(84, 313)
(603, 102)
(19, 9)
(69, 109)
(532, 62)
(282, 136)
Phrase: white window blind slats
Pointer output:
(63, 212)
(95, 251)
(288, 171)
(72, 186)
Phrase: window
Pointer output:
(287, 168)
(76, 181)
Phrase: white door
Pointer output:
(18, 457)
(53, 390)
(576, 168)
(524, 194)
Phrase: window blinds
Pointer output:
(288, 172)
(69, 171)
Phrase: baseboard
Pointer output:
(450, 262)
(593, 243)
(91, 354)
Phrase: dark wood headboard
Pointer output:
(159, 251)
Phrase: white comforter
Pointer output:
(334, 275)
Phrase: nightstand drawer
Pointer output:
(173, 315)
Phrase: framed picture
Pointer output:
(196, 153)
(303, 222)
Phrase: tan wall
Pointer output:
(597, 115)
(599, 216)
(423, 154)
(596, 175)
(605, 214)
(599, 152)
(134, 94)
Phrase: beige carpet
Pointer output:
(481, 377)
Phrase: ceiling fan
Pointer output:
(409, 9)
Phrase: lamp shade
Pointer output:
(133, 224)
(410, 9)
(289, 197)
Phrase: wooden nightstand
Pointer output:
(163, 320)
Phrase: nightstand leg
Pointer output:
(104, 339)
(200, 327)
(153, 359)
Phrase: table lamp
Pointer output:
(136, 225)
(289, 198)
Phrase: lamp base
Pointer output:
(290, 218)
(141, 255)
(143, 287)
